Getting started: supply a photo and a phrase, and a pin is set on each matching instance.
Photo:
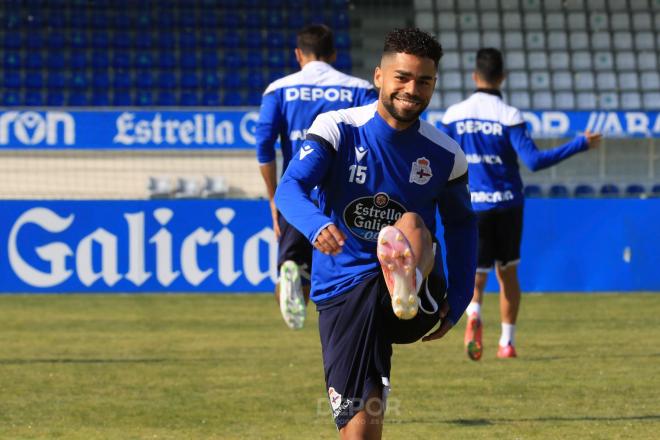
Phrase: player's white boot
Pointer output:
(292, 299)
(401, 276)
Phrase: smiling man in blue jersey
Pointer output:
(377, 275)
(289, 106)
(493, 136)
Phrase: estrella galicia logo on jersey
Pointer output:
(304, 151)
(366, 216)
(360, 151)
(420, 172)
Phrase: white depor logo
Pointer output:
(304, 151)
(360, 151)
(31, 128)
(420, 172)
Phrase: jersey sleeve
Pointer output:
(305, 171)
(536, 159)
(460, 235)
(268, 127)
(366, 96)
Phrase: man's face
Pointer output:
(406, 85)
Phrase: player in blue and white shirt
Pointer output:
(375, 166)
(493, 136)
(289, 106)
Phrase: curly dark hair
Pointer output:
(414, 42)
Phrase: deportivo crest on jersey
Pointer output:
(420, 172)
(304, 151)
(366, 216)
(335, 399)
(360, 151)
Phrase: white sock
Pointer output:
(508, 334)
(472, 308)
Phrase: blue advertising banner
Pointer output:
(228, 246)
(227, 129)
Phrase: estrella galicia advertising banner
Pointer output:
(235, 129)
(569, 245)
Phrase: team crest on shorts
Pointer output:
(335, 399)
(420, 172)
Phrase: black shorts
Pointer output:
(500, 232)
(357, 331)
(294, 246)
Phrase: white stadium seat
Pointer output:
(616, 5)
(511, 21)
(578, 40)
(628, 80)
(625, 60)
(444, 5)
(606, 81)
(490, 20)
(514, 60)
(491, 39)
(620, 21)
(540, 80)
(584, 80)
(586, 101)
(647, 61)
(562, 80)
(470, 40)
(535, 40)
(446, 21)
(650, 81)
(423, 5)
(598, 21)
(509, 5)
(577, 21)
(513, 40)
(641, 21)
(553, 5)
(450, 60)
(623, 40)
(631, 101)
(608, 100)
(644, 41)
(603, 60)
(559, 60)
(542, 100)
(565, 100)
(651, 100)
(518, 80)
(537, 60)
(467, 5)
(574, 5)
(555, 21)
(581, 60)
(468, 60)
(601, 41)
(468, 21)
(424, 21)
(451, 98)
(520, 100)
(448, 40)
(533, 21)
(451, 80)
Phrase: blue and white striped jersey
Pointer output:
(290, 104)
(493, 135)
(368, 175)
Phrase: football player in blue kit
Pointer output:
(377, 274)
(289, 106)
(493, 136)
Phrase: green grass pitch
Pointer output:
(225, 367)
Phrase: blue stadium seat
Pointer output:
(254, 60)
(122, 98)
(56, 19)
(188, 60)
(635, 190)
(292, 62)
(143, 20)
(274, 19)
(275, 40)
(100, 39)
(231, 20)
(209, 19)
(55, 61)
(78, 18)
(340, 21)
(11, 60)
(34, 80)
(121, 40)
(274, 75)
(166, 19)
(121, 79)
(342, 40)
(166, 60)
(211, 99)
(253, 20)
(276, 60)
(254, 98)
(100, 60)
(101, 80)
(295, 20)
(584, 190)
(55, 98)
(211, 81)
(166, 40)
(33, 60)
(210, 40)
(187, 40)
(122, 20)
(77, 40)
(291, 41)
(77, 99)
(12, 21)
(210, 60)
(344, 62)
(144, 40)
(189, 80)
(121, 60)
(256, 80)
(144, 60)
(609, 190)
(78, 80)
(231, 39)
(144, 80)
(34, 41)
(232, 98)
(251, 4)
(77, 60)
(232, 60)
(100, 19)
(11, 80)
(10, 98)
(558, 191)
(232, 81)
(55, 40)
(254, 40)
(166, 80)
(655, 190)
(33, 98)
(533, 191)
(144, 98)
(100, 98)
(55, 80)
(165, 98)
(189, 99)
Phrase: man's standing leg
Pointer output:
(368, 423)
(509, 306)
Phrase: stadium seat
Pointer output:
(143, 40)
(253, 40)
(55, 40)
(253, 20)
(144, 60)
(233, 20)
(55, 80)
(121, 60)
(167, 80)
(210, 20)
(232, 98)
(275, 19)
(100, 39)
(584, 190)
(254, 59)
(33, 98)
(275, 40)
(188, 60)
(215, 187)
(101, 81)
(609, 190)
(34, 80)
(187, 40)
(187, 188)
(533, 191)
(100, 99)
(33, 60)
(78, 80)
(211, 80)
(211, 99)
(160, 187)
(11, 80)
(121, 79)
(12, 40)
(77, 99)
(166, 98)
(254, 98)
(165, 41)
(144, 98)
(10, 98)
(558, 191)
(635, 190)
(210, 60)
(77, 60)
(344, 62)
(189, 80)
(655, 190)
(100, 60)
(144, 80)
(55, 98)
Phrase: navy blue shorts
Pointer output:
(500, 233)
(357, 331)
(293, 246)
